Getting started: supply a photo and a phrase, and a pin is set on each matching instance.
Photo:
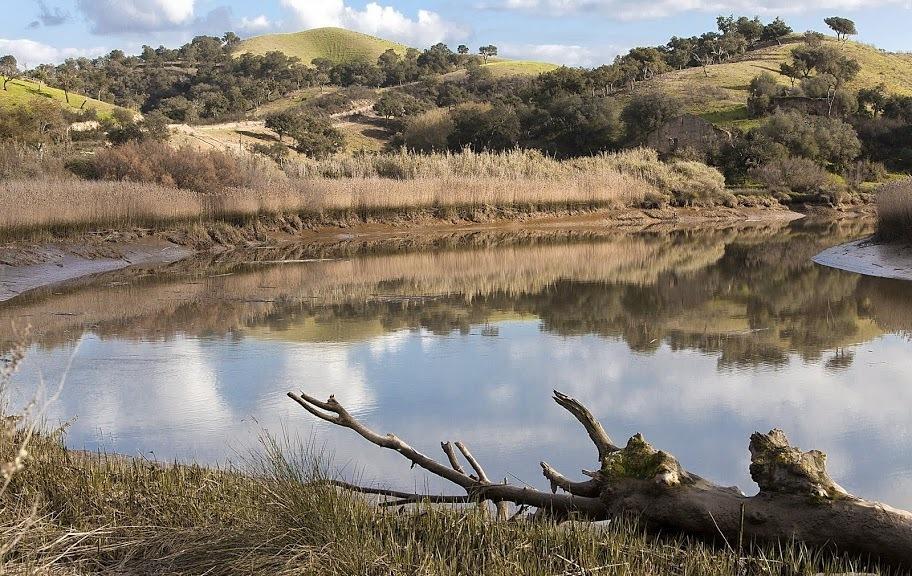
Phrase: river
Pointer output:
(695, 338)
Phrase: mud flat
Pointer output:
(48, 265)
(26, 265)
(870, 258)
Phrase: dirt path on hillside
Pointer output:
(239, 137)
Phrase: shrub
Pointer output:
(796, 176)
(894, 211)
(153, 162)
(428, 132)
(823, 140)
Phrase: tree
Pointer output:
(438, 59)
(9, 69)
(872, 101)
(824, 59)
(488, 51)
(646, 112)
(680, 51)
(481, 128)
(776, 30)
(393, 104)
(463, 49)
(282, 123)
(43, 74)
(750, 28)
(231, 40)
(67, 77)
(390, 64)
(842, 26)
(315, 136)
(821, 139)
(762, 91)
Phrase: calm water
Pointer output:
(695, 339)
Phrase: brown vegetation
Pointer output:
(894, 211)
(149, 182)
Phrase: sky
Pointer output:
(572, 32)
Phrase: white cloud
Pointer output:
(632, 9)
(567, 54)
(258, 24)
(385, 21)
(119, 16)
(31, 53)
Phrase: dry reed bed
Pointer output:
(894, 211)
(367, 186)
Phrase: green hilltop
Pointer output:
(340, 45)
(335, 44)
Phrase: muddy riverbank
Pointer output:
(28, 263)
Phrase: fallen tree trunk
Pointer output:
(797, 501)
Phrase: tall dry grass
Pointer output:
(894, 211)
(144, 185)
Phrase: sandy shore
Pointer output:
(871, 259)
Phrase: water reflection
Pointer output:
(694, 338)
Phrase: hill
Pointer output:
(720, 93)
(336, 44)
(21, 91)
(502, 68)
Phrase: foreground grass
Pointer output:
(376, 187)
(894, 211)
(76, 513)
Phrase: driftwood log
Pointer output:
(797, 500)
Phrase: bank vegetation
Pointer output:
(894, 211)
(149, 183)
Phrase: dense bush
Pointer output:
(823, 140)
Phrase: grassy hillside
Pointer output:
(21, 91)
(336, 44)
(720, 94)
(501, 68)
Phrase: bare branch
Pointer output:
(596, 432)
(590, 489)
(390, 441)
(476, 466)
(401, 496)
(451, 455)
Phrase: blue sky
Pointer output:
(574, 32)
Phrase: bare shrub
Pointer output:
(796, 175)
(21, 161)
(204, 172)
